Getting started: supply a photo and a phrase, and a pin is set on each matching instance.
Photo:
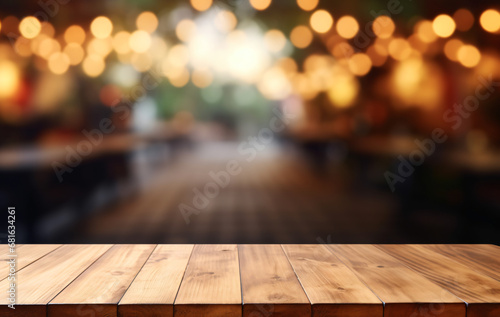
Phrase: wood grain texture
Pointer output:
(40, 282)
(484, 258)
(480, 292)
(404, 292)
(98, 290)
(153, 291)
(269, 284)
(332, 288)
(211, 284)
(26, 254)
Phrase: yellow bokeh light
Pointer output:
(30, 27)
(74, 34)
(201, 5)
(139, 41)
(321, 21)
(58, 63)
(343, 91)
(443, 25)
(202, 77)
(75, 53)
(225, 21)
(383, 27)
(101, 27)
(142, 62)
(147, 21)
(399, 49)
(490, 20)
(178, 77)
(100, 47)
(425, 31)
(121, 42)
(9, 79)
(260, 4)
(463, 19)
(468, 55)
(274, 84)
(185, 30)
(93, 65)
(275, 40)
(22, 47)
(307, 5)
(451, 49)
(301, 36)
(360, 64)
(347, 27)
(47, 47)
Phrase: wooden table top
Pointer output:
(254, 280)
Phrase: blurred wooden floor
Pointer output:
(275, 199)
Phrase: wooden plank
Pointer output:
(332, 288)
(480, 292)
(211, 284)
(269, 284)
(26, 254)
(99, 289)
(404, 292)
(153, 291)
(40, 282)
(484, 258)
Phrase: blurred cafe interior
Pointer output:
(250, 121)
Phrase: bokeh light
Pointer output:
(468, 55)
(443, 25)
(30, 27)
(383, 27)
(275, 40)
(225, 21)
(59, 63)
(490, 20)
(321, 21)
(201, 5)
(260, 4)
(74, 34)
(9, 79)
(301, 36)
(185, 30)
(347, 27)
(93, 65)
(360, 64)
(451, 49)
(463, 19)
(101, 27)
(147, 21)
(307, 5)
(140, 41)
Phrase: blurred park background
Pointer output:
(250, 121)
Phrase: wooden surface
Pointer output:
(254, 280)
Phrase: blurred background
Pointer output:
(250, 121)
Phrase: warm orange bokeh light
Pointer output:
(307, 5)
(360, 64)
(260, 4)
(451, 49)
(301, 36)
(321, 21)
(147, 21)
(490, 20)
(30, 27)
(464, 19)
(74, 34)
(201, 5)
(468, 55)
(383, 27)
(347, 27)
(443, 25)
(101, 27)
